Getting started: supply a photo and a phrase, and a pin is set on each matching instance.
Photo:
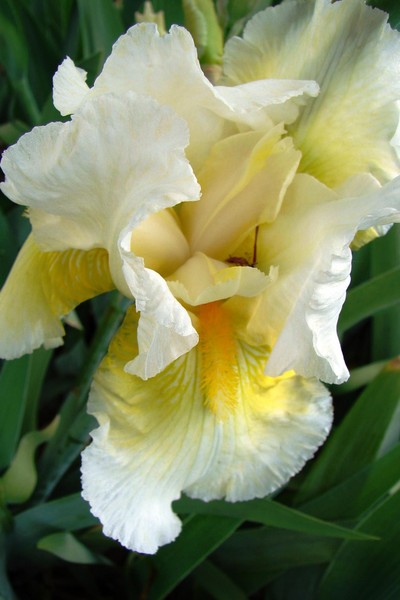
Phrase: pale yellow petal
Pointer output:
(69, 87)
(161, 437)
(159, 240)
(119, 160)
(243, 183)
(310, 242)
(202, 279)
(41, 288)
(358, 185)
(165, 330)
(351, 52)
(257, 103)
(167, 68)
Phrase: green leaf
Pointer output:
(236, 13)
(361, 438)
(366, 299)
(200, 536)
(217, 583)
(70, 513)
(66, 546)
(296, 584)
(11, 131)
(6, 592)
(7, 243)
(14, 57)
(356, 495)
(360, 377)
(100, 26)
(173, 11)
(266, 512)
(13, 49)
(369, 571)
(20, 383)
(254, 557)
(385, 255)
(92, 64)
(76, 424)
(51, 16)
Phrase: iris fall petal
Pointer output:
(159, 438)
(54, 282)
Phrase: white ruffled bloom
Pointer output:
(227, 214)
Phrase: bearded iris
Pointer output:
(226, 213)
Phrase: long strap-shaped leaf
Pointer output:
(369, 571)
(270, 513)
(364, 435)
(370, 297)
(201, 535)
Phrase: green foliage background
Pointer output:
(333, 532)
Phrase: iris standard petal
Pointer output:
(256, 102)
(159, 240)
(41, 288)
(211, 429)
(351, 52)
(145, 62)
(243, 183)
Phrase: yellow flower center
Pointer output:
(218, 359)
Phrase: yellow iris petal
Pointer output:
(180, 431)
(160, 242)
(73, 276)
(202, 280)
(53, 283)
(351, 52)
(243, 183)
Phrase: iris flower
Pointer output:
(226, 214)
